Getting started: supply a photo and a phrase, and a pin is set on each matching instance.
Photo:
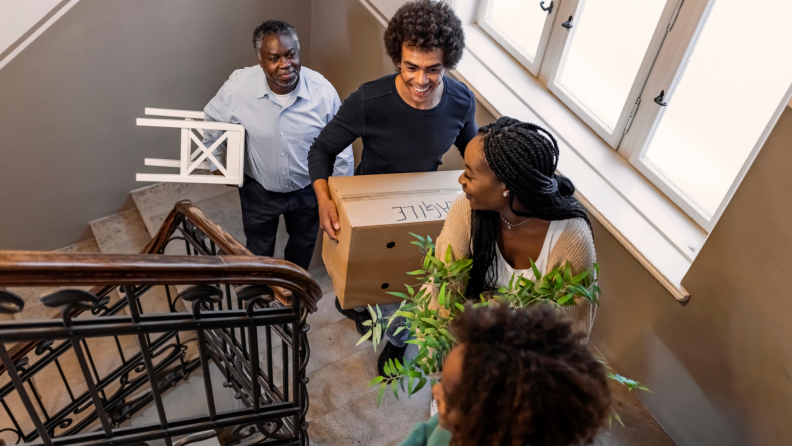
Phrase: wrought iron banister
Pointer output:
(234, 295)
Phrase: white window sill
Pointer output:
(653, 229)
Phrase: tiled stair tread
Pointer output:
(121, 233)
(329, 393)
(158, 199)
(328, 345)
(362, 422)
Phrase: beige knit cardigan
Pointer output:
(575, 245)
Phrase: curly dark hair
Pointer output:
(523, 156)
(426, 25)
(271, 27)
(528, 380)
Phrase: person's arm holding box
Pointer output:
(346, 126)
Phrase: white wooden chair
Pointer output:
(190, 160)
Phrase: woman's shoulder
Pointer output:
(574, 245)
(577, 228)
(456, 229)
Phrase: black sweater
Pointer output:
(397, 137)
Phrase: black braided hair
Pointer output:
(523, 156)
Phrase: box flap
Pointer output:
(397, 183)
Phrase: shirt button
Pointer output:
(284, 173)
(281, 133)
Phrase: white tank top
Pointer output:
(506, 271)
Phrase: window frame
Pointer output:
(661, 69)
(511, 46)
(668, 72)
(554, 64)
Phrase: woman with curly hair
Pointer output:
(515, 209)
(407, 120)
(515, 378)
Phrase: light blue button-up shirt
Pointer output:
(277, 137)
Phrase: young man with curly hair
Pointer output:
(516, 377)
(407, 120)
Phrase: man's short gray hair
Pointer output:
(271, 27)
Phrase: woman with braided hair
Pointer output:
(515, 209)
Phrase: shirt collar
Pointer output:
(263, 88)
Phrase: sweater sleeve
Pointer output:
(456, 234)
(456, 231)
(576, 246)
(345, 127)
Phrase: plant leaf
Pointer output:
(364, 337)
(381, 393)
(421, 384)
(402, 295)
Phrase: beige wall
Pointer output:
(721, 365)
(69, 147)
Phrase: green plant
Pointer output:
(428, 323)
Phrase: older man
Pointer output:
(283, 107)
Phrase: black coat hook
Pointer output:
(659, 99)
(549, 9)
(568, 23)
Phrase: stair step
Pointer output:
(121, 233)
(158, 199)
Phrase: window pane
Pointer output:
(608, 45)
(734, 82)
(521, 20)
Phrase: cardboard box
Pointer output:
(377, 214)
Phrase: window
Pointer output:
(719, 103)
(607, 43)
(521, 27)
(686, 90)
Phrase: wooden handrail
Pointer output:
(34, 268)
(228, 244)
(235, 265)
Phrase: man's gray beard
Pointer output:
(289, 84)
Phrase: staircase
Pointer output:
(342, 409)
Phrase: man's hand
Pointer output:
(217, 172)
(328, 214)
